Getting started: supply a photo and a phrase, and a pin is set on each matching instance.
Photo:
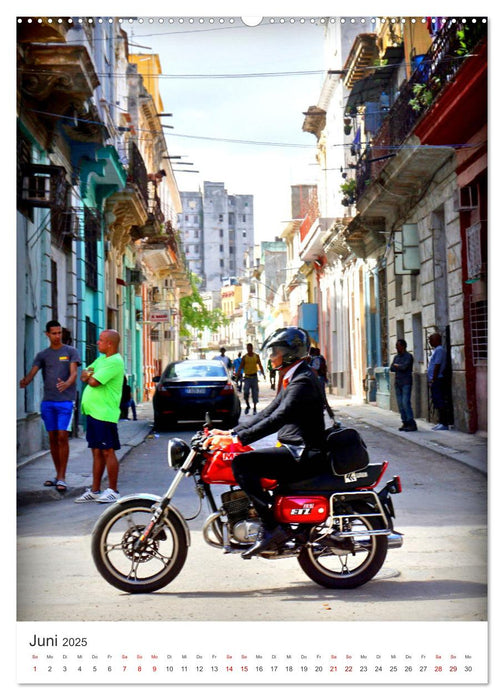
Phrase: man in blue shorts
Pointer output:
(101, 405)
(59, 364)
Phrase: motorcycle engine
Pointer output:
(243, 520)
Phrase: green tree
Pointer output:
(194, 314)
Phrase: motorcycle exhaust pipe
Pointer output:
(394, 540)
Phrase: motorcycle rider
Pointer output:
(297, 413)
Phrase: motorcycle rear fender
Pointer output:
(155, 500)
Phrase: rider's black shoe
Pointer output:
(267, 539)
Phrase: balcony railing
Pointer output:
(437, 68)
(137, 172)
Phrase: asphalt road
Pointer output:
(439, 574)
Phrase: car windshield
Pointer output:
(194, 370)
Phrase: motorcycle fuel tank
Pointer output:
(301, 509)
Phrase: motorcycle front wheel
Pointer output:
(122, 562)
(347, 563)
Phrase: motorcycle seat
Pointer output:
(330, 483)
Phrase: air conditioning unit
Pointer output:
(66, 223)
(466, 198)
(133, 276)
(42, 185)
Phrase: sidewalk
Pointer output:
(470, 450)
(32, 472)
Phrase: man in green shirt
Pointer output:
(101, 404)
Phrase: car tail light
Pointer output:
(163, 390)
(228, 389)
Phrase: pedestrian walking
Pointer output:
(236, 366)
(436, 375)
(319, 365)
(224, 359)
(250, 366)
(101, 404)
(402, 366)
(272, 375)
(59, 363)
(127, 402)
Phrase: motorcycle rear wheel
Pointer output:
(137, 571)
(333, 566)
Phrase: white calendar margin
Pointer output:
(124, 647)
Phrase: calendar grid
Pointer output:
(250, 653)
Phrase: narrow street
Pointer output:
(439, 573)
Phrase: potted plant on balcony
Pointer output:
(424, 94)
(349, 190)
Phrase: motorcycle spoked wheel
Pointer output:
(114, 555)
(332, 566)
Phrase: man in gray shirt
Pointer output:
(59, 364)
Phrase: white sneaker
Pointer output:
(108, 496)
(88, 496)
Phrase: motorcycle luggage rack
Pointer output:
(344, 496)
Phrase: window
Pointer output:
(92, 233)
(474, 258)
(398, 290)
(91, 341)
(479, 330)
(416, 320)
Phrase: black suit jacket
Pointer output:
(297, 413)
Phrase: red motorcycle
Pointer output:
(340, 527)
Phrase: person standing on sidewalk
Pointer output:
(437, 381)
(101, 404)
(59, 364)
(402, 366)
(250, 366)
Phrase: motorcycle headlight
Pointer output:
(177, 452)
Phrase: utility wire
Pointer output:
(270, 143)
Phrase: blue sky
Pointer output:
(255, 109)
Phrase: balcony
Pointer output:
(55, 76)
(137, 178)
(433, 75)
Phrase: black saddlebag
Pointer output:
(346, 450)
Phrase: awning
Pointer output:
(366, 90)
(370, 88)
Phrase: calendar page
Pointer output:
(344, 155)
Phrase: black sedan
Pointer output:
(189, 389)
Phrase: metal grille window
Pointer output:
(474, 261)
(479, 330)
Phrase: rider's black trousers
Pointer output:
(267, 463)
